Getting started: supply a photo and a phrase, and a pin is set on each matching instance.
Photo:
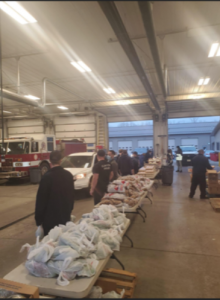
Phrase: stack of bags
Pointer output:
(73, 250)
(126, 191)
(147, 171)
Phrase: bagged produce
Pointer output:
(63, 252)
(110, 240)
(74, 243)
(88, 215)
(41, 252)
(112, 188)
(96, 292)
(66, 270)
(39, 269)
(55, 233)
(114, 196)
(113, 294)
(101, 224)
(102, 250)
(87, 271)
(90, 232)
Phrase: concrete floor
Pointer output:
(176, 252)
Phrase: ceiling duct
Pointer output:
(19, 98)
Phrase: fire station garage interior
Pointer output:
(72, 74)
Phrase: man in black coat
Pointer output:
(148, 155)
(200, 164)
(136, 162)
(55, 197)
(125, 164)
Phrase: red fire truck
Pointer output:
(19, 154)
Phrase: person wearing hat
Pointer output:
(102, 175)
(200, 164)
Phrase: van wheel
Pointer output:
(44, 168)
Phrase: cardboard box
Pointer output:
(20, 288)
(214, 190)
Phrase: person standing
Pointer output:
(200, 164)
(119, 155)
(55, 197)
(125, 164)
(111, 154)
(136, 162)
(179, 158)
(147, 156)
(102, 175)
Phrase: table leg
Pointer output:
(143, 211)
(120, 263)
(138, 212)
(132, 245)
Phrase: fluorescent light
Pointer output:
(84, 66)
(123, 102)
(196, 96)
(7, 112)
(218, 52)
(77, 67)
(201, 81)
(213, 49)
(19, 9)
(32, 97)
(206, 81)
(62, 107)
(12, 13)
(109, 90)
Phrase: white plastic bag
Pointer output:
(55, 233)
(102, 224)
(74, 243)
(102, 251)
(113, 294)
(66, 270)
(110, 240)
(90, 232)
(96, 292)
(63, 252)
(39, 269)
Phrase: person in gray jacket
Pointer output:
(111, 154)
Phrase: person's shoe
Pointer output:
(177, 171)
(190, 197)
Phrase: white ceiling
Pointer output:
(68, 31)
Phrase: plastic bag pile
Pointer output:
(73, 250)
(96, 292)
(126, 191)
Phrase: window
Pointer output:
(18, 148)
(77, 162)
(50, 144)
(217, 146)
(34, 146)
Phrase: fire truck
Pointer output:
(19, 154)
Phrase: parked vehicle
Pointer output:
(80, 165)
(189, 152)
(19, 154)
(208, 152)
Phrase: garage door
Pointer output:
(190, 142)
(145, 144)
(171, 144)
(125, 145)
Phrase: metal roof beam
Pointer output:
(113, 16)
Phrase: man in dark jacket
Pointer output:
(200, 164)
(125, 164)
(136, 162)
(111, 154)
(55, 197)
(148, 155)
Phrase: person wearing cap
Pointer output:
(102, 175)
(200, 164)
(136, 162)
(55, 197)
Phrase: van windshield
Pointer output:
(78, 161)
(188, 148)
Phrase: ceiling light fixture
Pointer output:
(31, 97)
(218, 52)
(123, 102)
(196, 96)
(20, 10)
(62, 107)
(109, 90)
(81, 66)
(7, 112)
(201, 81)
(84, 66)
(213, 49)
(12, 13)
(206, 81)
